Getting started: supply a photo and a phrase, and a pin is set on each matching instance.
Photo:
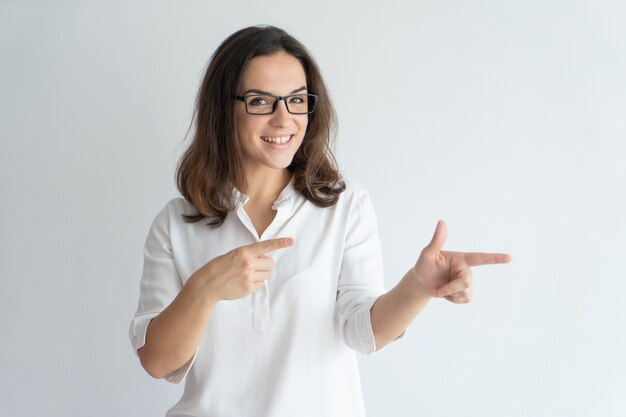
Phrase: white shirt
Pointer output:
(288, 349)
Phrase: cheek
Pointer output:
(303, 124)
(246, 127)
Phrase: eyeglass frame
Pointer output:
(275, 105)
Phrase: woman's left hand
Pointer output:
(448, 275)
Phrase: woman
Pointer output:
(264, 280)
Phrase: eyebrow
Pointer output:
(254, 90)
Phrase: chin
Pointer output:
(279, 165)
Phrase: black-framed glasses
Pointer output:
(267, 103)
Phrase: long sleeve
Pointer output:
(160, 283)
(361, 279)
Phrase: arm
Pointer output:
(437, 273)
(394, 311)
(174, 335)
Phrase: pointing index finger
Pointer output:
(270, 245)
(480, 258)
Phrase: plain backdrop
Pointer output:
(505, 118)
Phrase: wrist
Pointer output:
(416, 289)
(197, 289)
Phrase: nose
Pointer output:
(281, 116)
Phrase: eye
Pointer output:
(297, 99)
(258, 101)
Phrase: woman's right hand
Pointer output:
(237, 273)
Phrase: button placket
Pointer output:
(260, 300)
(261, 308)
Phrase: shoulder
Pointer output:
(171, 214)
(355, 202)
(354, 192)
(179, 205)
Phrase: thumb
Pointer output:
(439, 238)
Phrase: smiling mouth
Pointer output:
(277, 139)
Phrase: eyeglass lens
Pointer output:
(297, 103)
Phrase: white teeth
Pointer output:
(282, 139)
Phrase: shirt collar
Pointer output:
(240, 199)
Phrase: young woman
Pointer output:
(260, 285)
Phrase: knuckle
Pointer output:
(246, 264)
(239, 253)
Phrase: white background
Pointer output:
(505, 118)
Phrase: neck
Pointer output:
(264, 185)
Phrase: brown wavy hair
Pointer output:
(212, 163)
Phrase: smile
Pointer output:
(277, 139)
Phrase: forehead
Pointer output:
(279, 73)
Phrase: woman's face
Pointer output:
(271, 140)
